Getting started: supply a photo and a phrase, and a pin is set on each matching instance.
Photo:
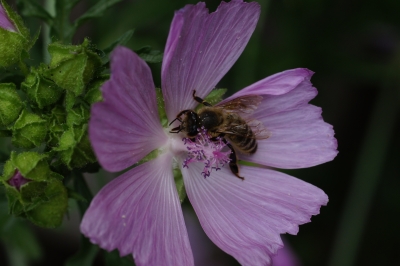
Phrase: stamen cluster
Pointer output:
(204, 148)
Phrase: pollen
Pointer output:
(210, 151)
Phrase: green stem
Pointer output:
(50, 7)
(368, 171)
(82, 188)
(24, 68)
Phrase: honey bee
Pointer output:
(227, 121)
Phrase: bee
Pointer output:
(228, 121)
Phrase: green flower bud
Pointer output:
(72, 66)
(14, 36)
(77, 116)
(93, 93)
(75, 149)
(10, 104)
(33, 190)
(40, 90)
(57, 126)
(29, 130)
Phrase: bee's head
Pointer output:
(189, 123)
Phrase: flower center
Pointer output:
(207, 150)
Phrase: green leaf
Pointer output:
(62, 29)
(68, 5)
(18, 238)
(149, 55)
(30, 8)
(83, 190)
(215, 96)
(95, 11)
(122, 40)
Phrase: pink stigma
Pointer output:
(205, 149)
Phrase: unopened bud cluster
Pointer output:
(46, 117)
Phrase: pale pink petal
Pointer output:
(286, 257)
(245, 218)
(139, 213)
(299, 136)
(277, 84)
(201, 48)
(126, 126)
(5, 21)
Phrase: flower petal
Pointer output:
(5, 21)
(139, 213)
(201, 48)
(277, 84)
(299, 136)
(246, 218)
(126, 126)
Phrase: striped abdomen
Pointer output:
(242, 137)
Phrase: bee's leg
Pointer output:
(178, 117)
(200, 100)
(233, 160)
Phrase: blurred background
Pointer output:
(353, 47)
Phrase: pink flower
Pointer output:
(5, 21)
(139, 212)
(286, 257)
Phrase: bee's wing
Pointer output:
(259, 131)
(258, 128)
(245, 104)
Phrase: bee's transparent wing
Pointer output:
(241, 105)
(259, 130)
(240, 129)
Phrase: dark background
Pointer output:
(354, 48)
